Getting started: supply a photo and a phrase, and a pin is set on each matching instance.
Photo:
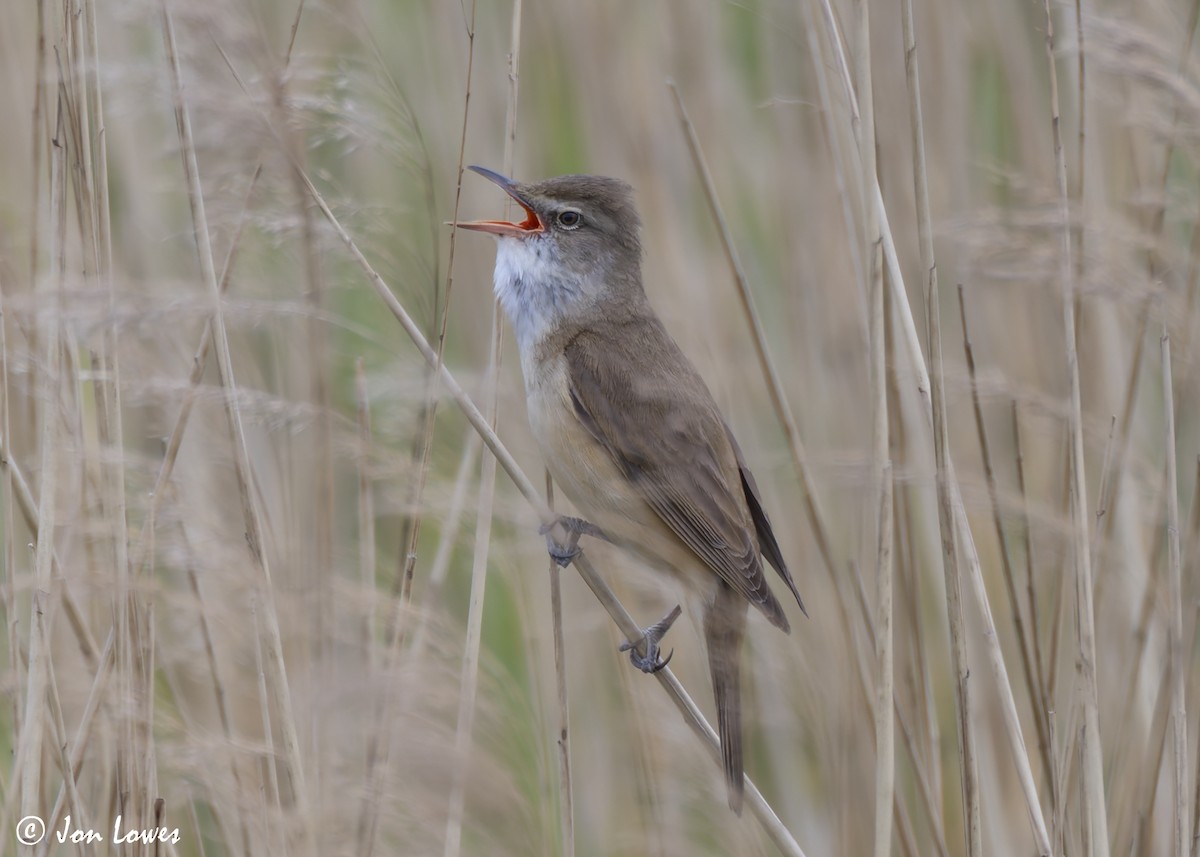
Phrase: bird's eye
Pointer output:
(569, 218)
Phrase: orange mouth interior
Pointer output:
(531, 225)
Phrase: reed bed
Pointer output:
(271, 571)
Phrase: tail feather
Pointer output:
(762, 528)
(724, 628)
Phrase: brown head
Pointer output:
(576, 253)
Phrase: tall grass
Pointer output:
(238, 572)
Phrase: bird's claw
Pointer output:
(564, 554)
(651, 662)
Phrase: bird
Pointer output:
(627, 427)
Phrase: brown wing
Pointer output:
(664, 432)
(762, 524)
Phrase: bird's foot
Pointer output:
(563, 554)
(651, 662)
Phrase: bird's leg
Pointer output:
(575, 527)
(650, 662)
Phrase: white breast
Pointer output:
(523, 272)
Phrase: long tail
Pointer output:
(724, 628)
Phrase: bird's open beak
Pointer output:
(531, 225)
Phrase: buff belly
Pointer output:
(588, 476)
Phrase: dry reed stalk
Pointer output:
(991, 640)
(1078, 229)
(947, 509)
(1073, 754)
(1037, 694)
(60, 741)
(105, 255)
(1101, 506)
(9, 597)
(885, 728)
(377, 740)
(941, 427)
(656, 820)
(962, 527)
(832, 130)
(72, 50)
(967, 543)
(269, 789)
(1168, 705)
(1192, 278)
(221, 696)
(950, 549)
(566, 802)
(921, 749)
(1057, 809)
(470, 667)
(366, 565)
(35, 205)
(1064, 579)
(1125, 790)
(926, 788)
(1195, 844)
(464, 736)
(1194, 528)
(1179, 724)
(28, 762)
(904, 832)
(134, 618)
(479, 565)
(176, 697)
(1030, 585)
(141, 551)
(912, 346)
(837, 579)
(1093, 767)
(445, 550)
(277, 674)
(319, 563)
(83, 730)
(432, 396)
(870, 702)
(366, 515)
(1151, 777)
(11, 609)
(929, 801)
(1194, 544)
(1081, 136)
(692, 715)
(377, 760)
(927, 764)
(175, 440)
(881, 483)
(1154, 264)
(143, 547)
(1149, 617)
(78, 807)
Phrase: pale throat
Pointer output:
(535, 290)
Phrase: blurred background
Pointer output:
(244, 585)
